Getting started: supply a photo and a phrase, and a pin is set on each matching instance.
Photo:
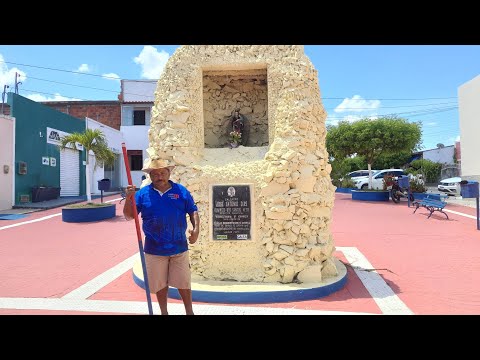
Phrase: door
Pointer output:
(69, 173)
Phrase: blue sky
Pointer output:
(416, 82)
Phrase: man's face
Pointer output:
(160, 176)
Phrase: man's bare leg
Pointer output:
(186, 295)
(162, 300)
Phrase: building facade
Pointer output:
(39, 164)
(137, 98)
(114, 172)
(469, 114)
(7, 163)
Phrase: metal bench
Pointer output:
(123, 194)
(431, 205)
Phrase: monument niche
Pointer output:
(265, 206)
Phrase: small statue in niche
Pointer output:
(238, 123)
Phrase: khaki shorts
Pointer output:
(165, 271)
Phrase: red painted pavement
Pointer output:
(431, 264)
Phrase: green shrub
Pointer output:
(430, 170)
(346, 182)
(417, 186)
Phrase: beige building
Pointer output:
(7, 166)
(469, 113)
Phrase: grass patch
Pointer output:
(89, 205)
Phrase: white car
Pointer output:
(377, 178)
(358, 173)
(450, 186)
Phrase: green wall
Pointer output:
(31, 119)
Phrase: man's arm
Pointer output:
(128, 204)
(195, 220)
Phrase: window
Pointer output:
(138, 117)
(135, 160)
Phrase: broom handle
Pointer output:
(139, 233)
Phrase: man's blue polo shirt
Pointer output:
(165, 218)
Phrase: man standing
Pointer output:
(164, 205)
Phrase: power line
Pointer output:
(394, 107)
(406, 113)
(115, 78)
(68, 71)
(41, 92)
(343, 98)
(82, 86)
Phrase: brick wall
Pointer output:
(105, 113)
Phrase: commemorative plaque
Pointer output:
(232, 213)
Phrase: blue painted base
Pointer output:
(344, 190)
(370, 195)
(282, 293)
(78, 215)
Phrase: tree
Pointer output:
(91, 140)
(372, 138)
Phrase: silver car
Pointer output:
(450, 186)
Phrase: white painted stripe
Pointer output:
(30, 221)
(108, 201)
(138, 307)
(386, 299)
(42, 218)
(461, 214)
(102, 280)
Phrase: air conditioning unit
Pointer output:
(24, 198)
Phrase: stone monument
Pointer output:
(265, 206)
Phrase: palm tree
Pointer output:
(94, 140)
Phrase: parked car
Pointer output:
(357, 173)
(451, 186)
(377, 178)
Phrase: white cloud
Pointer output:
(84, 68)
(357, 104)
(111, 76)
(452, 140)
(152, 62)
(433, 123)
(56, 97)
(350, 118)
(7, 76)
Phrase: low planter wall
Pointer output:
(77, 215)
(344, 190)
(370, 195)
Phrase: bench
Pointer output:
(431, 205)
(123, 194)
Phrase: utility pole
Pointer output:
(5, 87)
(17, 75)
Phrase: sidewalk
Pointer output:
(52, 204)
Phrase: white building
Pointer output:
(115, 172)
(442, 155)
(7, 162)
(137, 98)
(469, 113)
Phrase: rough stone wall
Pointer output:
(292, 194)
(224, 91)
